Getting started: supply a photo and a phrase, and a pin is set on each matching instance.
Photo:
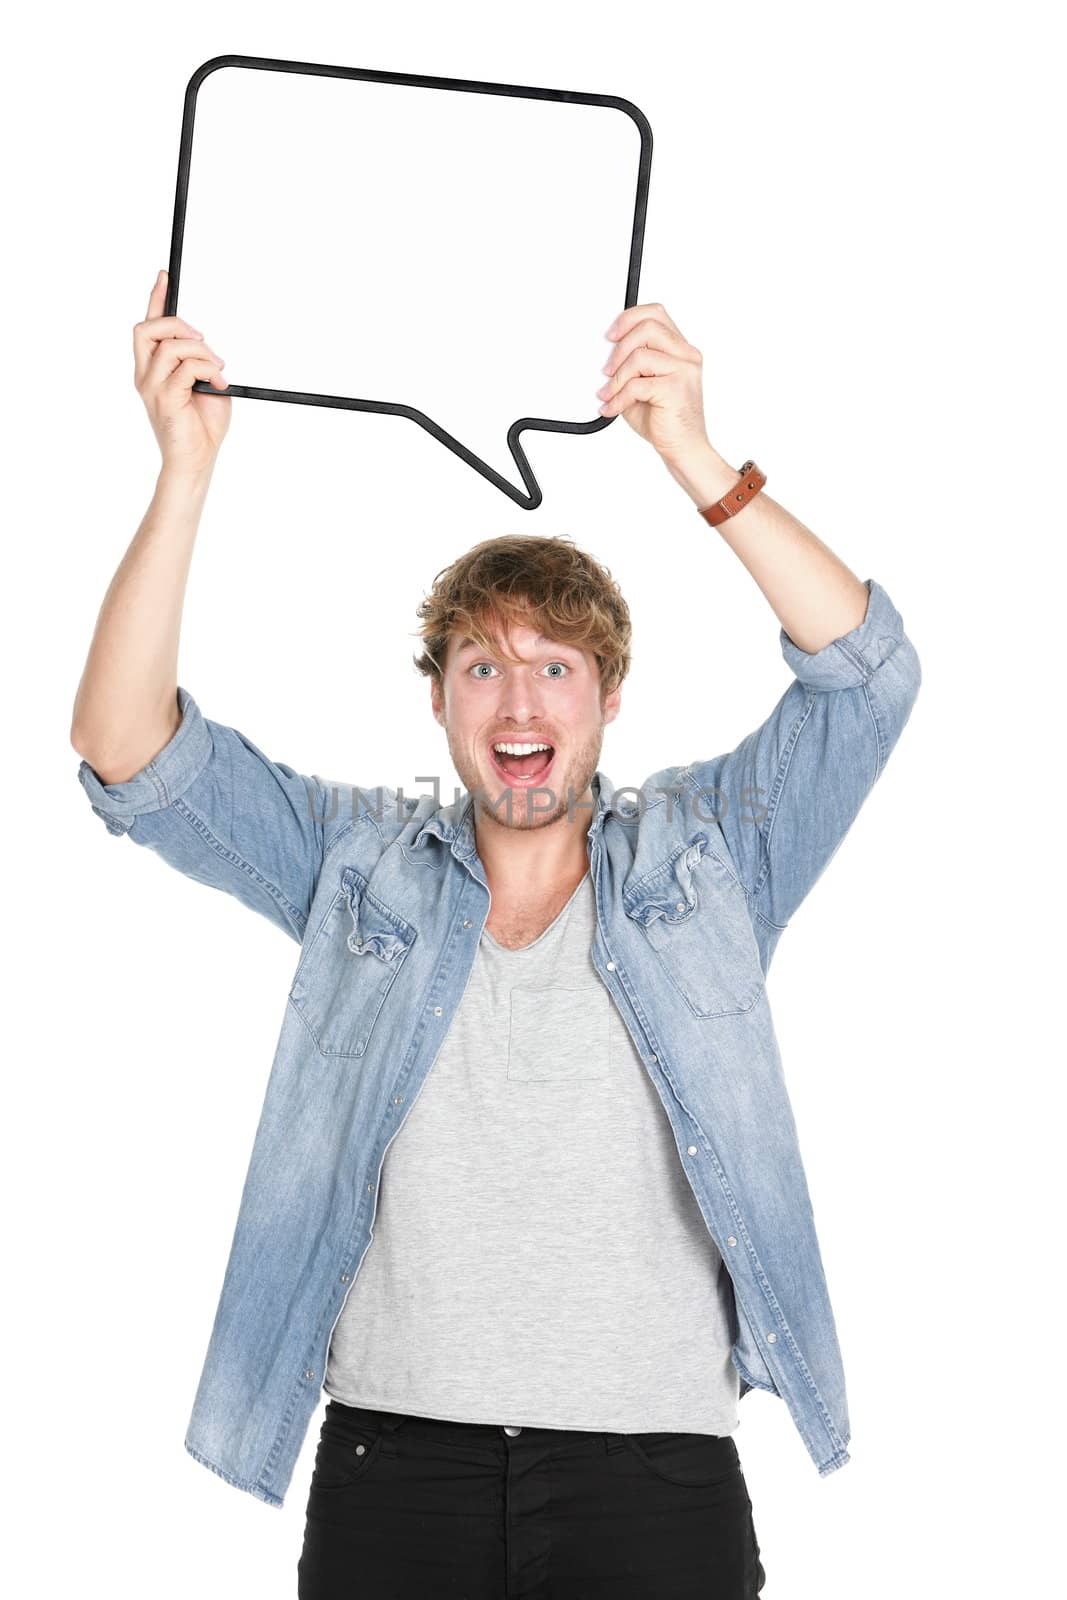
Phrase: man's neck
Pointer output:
(537, 860)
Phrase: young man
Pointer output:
(593, 1235)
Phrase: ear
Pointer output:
(437, 699)
(613, 704)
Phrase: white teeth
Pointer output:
(520, 749)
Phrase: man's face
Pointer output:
(552, 698)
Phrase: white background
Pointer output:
(854, 215)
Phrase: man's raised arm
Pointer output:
(197, 792)
(787, 795)
(790, 791)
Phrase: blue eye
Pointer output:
(474, 668)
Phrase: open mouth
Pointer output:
(522, 772)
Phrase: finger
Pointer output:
(187, 347)
(157, 301)
(633, 314)
(642, 363)
(149, 336)
(651, 389)
(158, 298)
(656, 337)
(188, 371)
(170, 353)
(156, 327)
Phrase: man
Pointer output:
(593, 1234)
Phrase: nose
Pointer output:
(521, 704)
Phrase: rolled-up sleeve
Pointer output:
(217, 809)
(876, 655)
(160, 782)
(790, 791)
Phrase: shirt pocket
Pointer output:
(558, 1035)
(348, 968)
(693, 916)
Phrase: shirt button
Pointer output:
(360, 1449)
(466, 922)
(611, 966)
(344, 1277)
(772, 1338)
(692, 1149)
(512, 1432)
(731, 1240)
(680, 906)
(437, 1011)
(309, 1374)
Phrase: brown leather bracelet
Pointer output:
(735, 499)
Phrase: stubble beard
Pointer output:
(510, 808)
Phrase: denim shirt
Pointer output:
(696, 875)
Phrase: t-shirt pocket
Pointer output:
(558, 1035)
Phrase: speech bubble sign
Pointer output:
(346, 237)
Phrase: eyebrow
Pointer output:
(472, 644)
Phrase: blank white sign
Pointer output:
(457, 251)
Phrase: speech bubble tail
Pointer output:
(532, 497)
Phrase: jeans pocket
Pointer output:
(689, 1460)
(346, 1452)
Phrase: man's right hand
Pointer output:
(169, 356)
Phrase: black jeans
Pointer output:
(417, 1508)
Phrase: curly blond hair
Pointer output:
(544, 583)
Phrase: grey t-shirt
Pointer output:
(538, 1258)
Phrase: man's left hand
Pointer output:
(655, 382)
